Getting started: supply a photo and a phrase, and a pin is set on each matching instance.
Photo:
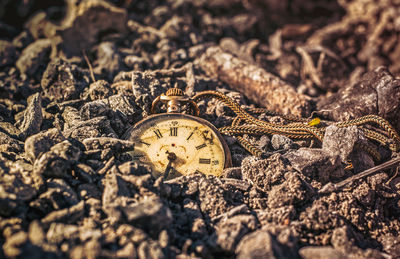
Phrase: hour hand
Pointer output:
(171, 157)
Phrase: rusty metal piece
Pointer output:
(255, 83)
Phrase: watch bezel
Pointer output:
(171, 116)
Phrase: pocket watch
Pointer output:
(174, 143)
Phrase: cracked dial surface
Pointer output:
(195, 142)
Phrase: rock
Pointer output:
(59, 232)
(115, 144)
(67, 215)
(293, 191)
(39, 25)
(94, 109)
(8, 53)
(150, 215)
(87, 22)
(109, 61)
(71, 117)
(87, 191)
(340, 141)
(34, 58)
(315, 163)
(96, 127)
(36, 233)
(99, 90)
(318, 218)
(63, 81)
(320, 252)
(59, 195)
(279, 142)
(149, 249)
(32, 116)
(119, 109)
(391, 244)
(9, 129)
(376, 93)
(260, 244)
(58, 161)
(264, 172)
(264, 142)
(212, 197)
(14, 192)
(14, 245)
(228, 233)
(22, 40)
(278, 215)
(40, 143)
(10, 142)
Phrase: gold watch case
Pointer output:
(175, 144)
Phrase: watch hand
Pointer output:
(171, 157)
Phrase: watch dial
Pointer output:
(177, 144)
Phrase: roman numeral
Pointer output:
(173, 131)
(201, 146)
(158, 133)
(191, 134)
(204, 161)
(144, 143)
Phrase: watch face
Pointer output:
(178, 144)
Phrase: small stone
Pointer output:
(10, 142)
(99, 90)
(63, 81)
(40, 143)
(321, 252)
(150, 249)
(281, 142)
(212, 197)
(340, 141)
(264, 172)
(59, 195)
(228, 233)
(264, 142)
(22, 40)
(32, 116)
(8, 53)
(150, 215)
(293, 191)
(109, 60)
(58, 161)
(36, 233)
(96, 127)
(316, 163)
(13, 245)
(67, 215)
(260, 244)
(376, 93)
(34, 58)
(88, 22)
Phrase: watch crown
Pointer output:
(175, 98)
(174, 92)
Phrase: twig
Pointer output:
(331, 187)
(89, 65)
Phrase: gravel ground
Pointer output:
(74, 76)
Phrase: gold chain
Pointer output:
(301, 128)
